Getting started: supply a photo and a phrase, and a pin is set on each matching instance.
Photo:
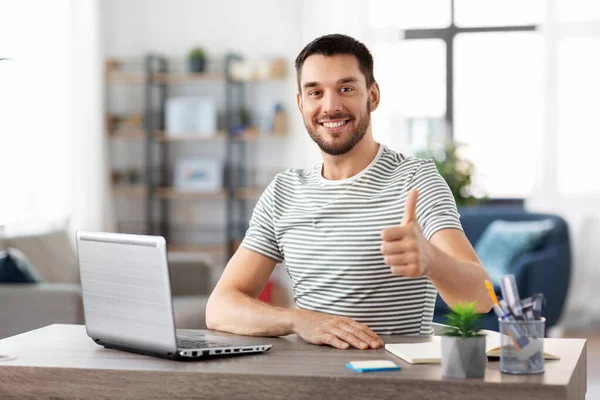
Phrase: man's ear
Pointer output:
(299, 102)
(374, 96)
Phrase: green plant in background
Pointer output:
(463, 321)
(197, 53)
(245, 117)
(456, 171)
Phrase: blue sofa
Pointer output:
(546, 269)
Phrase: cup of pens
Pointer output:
(522, 346)
(522, 329)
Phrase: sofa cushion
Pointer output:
(50, 253)
(16, 270)
(503, 241)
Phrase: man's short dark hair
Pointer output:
(330, 45)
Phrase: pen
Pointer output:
(510, 293)
(512, 332)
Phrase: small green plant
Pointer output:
(463, 321)
(245, 116)
(197, 53)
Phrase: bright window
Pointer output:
(410, 14)
(498, 108)
(470, 13)
(578, 96)
(420, 77)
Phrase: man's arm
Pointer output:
(448, 259)
(234, 307)
(457, 272)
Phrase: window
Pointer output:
(498, 108)
(410, 14)
(491, 97)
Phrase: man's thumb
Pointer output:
(410, 207)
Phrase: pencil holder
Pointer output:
(522, 346)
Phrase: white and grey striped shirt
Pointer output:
(329, 233)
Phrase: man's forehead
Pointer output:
(330, 69)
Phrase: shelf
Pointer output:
(138, 133)
(178, 78)
(170, 193)
(129, 133)
(242, 193)
(130, 190)
(249, 193)
(125, 77)
(244, 137)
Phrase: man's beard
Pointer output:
(353, 139)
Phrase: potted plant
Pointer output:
(457, 171)
(463, 345)
(197, 60)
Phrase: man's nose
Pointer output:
(331, 103)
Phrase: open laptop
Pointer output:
(127, 301)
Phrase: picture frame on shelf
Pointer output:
(202, 175)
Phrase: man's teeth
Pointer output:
(333, 124)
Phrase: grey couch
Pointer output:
(24, 307)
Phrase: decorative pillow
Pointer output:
(14, 269)
(503, 242)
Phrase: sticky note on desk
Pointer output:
(372, 366)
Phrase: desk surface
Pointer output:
(62, 361)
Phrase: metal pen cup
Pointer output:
(522, 346)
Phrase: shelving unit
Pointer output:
(148, 128)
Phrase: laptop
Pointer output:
(127, 301)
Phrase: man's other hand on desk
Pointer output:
(339, 332)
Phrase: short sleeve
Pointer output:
(436, 208)
(260, 236)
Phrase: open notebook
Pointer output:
(431, 352)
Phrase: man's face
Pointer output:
(335, 102)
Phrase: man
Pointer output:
(368, 235)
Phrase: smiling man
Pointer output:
(369, 235)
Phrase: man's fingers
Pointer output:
(364, 328)
(332, 340)
(349, 338)
(362, 335)
(396, 233)
(401, 259)
(410, 207)
(398, 247)
(408, 270)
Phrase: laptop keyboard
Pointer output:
(198, 344)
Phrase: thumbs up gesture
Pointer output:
(405, 249)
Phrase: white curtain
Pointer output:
(52, 167)
(568, 184)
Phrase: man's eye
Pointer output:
(314, 93)
(346, 89)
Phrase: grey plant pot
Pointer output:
(463, 357)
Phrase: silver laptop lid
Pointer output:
(126, 290)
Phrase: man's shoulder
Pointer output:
(296, 177)
(399, 164)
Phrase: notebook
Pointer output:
(431, 352)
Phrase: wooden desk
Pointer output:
(60, 361)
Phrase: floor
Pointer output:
(593, 357)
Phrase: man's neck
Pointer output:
(347, 165)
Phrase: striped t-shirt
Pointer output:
(329, 234)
